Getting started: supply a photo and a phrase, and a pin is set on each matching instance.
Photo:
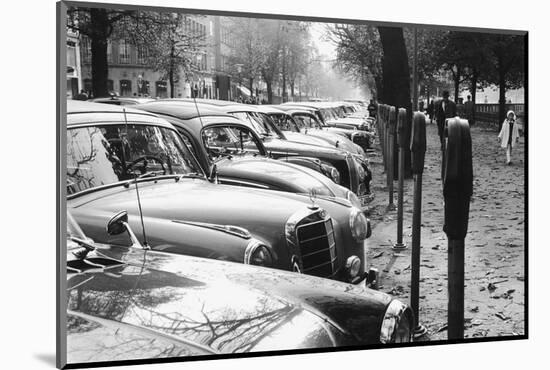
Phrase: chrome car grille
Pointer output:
(318, 247)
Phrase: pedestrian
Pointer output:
(81, 96)
(444, 109)
(469, 110)
(372, 108)
(430, 109)
(509, 135)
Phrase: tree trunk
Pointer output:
(473, 90)
(457, 83)
(100, 69)
(269, 91)
(250, 86)
(171, 72)
(396, 89)
(501, 97)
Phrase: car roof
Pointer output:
(182, 109)
(82, 112)
(270, 109)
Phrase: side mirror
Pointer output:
(116, 224)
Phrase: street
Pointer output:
(494, 256)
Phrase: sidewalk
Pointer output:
(494, 256)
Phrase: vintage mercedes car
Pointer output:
(240, 158)
(132, 303)
(124, 158)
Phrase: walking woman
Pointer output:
(509, 135)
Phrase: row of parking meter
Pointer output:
(457, 178)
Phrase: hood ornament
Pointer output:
(312, 198)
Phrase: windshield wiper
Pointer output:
(150, 174)
(191, 175)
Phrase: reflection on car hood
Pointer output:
(222, 306)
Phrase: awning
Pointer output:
(244, 90)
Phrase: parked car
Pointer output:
(220, 139)
(351, 172)
(307, 117)
(131, 303)
(293, 127)
(124, 158)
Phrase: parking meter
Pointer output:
(418, 152)
(392, 126)
(418, 143)
(457, 191)
(402, 143)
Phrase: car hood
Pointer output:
(193, 200)
(225, 307)
(284, 147)
(305, 139)
(283, 175)
(331, 137)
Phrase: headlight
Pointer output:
(396, 327)
(353, 264)
(331, 172)
(358, 224)
(354, 200)
(335, 175)
(360, 170)
(258, 254)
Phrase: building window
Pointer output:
(110, 86)
(161, 88)
(142, 54)
(124, 51)
(125, 87)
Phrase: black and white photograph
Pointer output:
(237, 184)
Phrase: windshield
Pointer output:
(284, 122)
(307, 121)
(222, 141)
(106, 154)
(260, 122)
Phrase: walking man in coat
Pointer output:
(444, 109)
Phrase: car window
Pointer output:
(307, 121)
(105, 154)
(221, 141)
(284, 122)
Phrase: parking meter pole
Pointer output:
(392, 126)
(457, 191)
(456, 289)
(418, 151)
(401, 123)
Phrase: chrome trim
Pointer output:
(229, 229)
(228, 181)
